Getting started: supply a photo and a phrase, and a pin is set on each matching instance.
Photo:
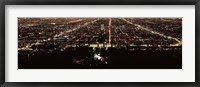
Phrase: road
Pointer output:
(110, 24)
(74, 29)
(154, 32)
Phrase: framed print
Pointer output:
(100, 43)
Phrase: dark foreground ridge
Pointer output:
(113, 58)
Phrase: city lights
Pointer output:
(106, 43)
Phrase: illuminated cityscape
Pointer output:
(100, 43)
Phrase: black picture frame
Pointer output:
(99, 2)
